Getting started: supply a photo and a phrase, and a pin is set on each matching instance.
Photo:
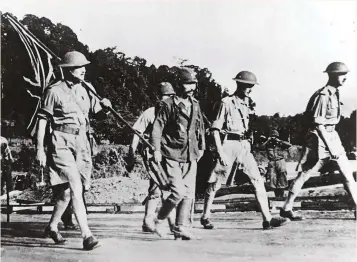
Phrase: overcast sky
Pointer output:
(287, 44)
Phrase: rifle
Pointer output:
(118, 116)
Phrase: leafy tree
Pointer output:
(129, 82)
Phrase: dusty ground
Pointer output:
(324, 236)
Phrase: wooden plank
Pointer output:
(130, 208)
(314, 181)
(199, 207)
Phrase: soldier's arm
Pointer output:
(45, 112)
(40, 149)
(140, 125)
(217, 141)
(202, 131)
(98, 107)
(319, 116)
(41, 131)
(217, 125)
(283, 144)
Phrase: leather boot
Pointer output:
(183, 214)
(155, 225)
(150, 211)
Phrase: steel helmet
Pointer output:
(165, 88)
(187, 76)
(246, 77)
(336, 67)
(74, 58)
(274, 133)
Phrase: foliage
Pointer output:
(293, 128)
(129, 82)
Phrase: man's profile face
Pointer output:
(341, 79)
(244, 89)
(189, 88)
(78, 72)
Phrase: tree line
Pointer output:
(129, 82)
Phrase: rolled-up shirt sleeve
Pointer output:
(142, 122)
(221, 116)
(49, 101)
(158, 126)
(319, 109)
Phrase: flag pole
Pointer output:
(42, 45)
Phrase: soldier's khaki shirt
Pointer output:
(232, 115)
(68, 104)
(144, 123)
(325, 106)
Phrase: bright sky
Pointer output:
(287, 44)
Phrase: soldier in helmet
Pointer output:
(230, 132)
(178, 137)
(323, 144)
(66, 105)
(144, 125)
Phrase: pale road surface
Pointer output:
(323, 236)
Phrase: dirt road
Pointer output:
(324, 236)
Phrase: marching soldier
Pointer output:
(66, 106)
(276, 171)
(178, 137)
(144, 126)
(230, 131)
(324, 144)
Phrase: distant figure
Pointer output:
(324, 144)
(6, 162)
(276, 171)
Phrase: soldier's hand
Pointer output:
(157, 157)
(105, 103)
(41, 157)
(222, 158)
(334, 156)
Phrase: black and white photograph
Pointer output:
(178, 130)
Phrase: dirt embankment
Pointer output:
(111, 182)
